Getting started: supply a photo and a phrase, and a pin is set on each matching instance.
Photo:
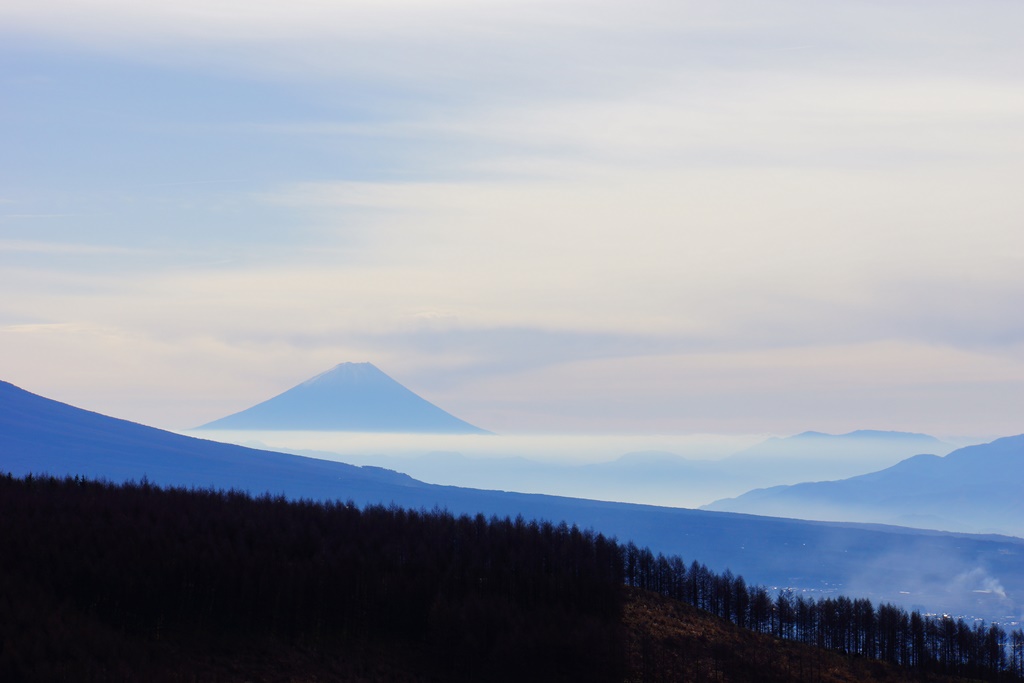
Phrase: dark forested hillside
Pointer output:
(111, 582)
(134, 582)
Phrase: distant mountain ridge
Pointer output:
(352, 397)
(974, 489)
(653, 477)
(816, 456)
(812, 443)
(867, 434)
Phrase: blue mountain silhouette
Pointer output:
(350, 397)
(974, 489)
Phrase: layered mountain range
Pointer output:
(975, 575)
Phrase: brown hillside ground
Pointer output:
(665, 641)
(671, 642)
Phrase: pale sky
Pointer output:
(650, 217)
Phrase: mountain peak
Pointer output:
(351, 397)
(347, 372)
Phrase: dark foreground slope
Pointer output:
(970, 575)
(104, 582)
(125, 583)
(670, 641)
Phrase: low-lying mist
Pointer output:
(669, 470)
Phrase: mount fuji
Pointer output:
(350, 397)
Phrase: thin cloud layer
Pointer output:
(676, 216)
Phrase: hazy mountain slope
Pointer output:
(862, 440)
(814, 456)
(974, 489)
(348, 397)
(40, 435)
(653, 478)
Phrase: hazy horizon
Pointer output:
(669, 470)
